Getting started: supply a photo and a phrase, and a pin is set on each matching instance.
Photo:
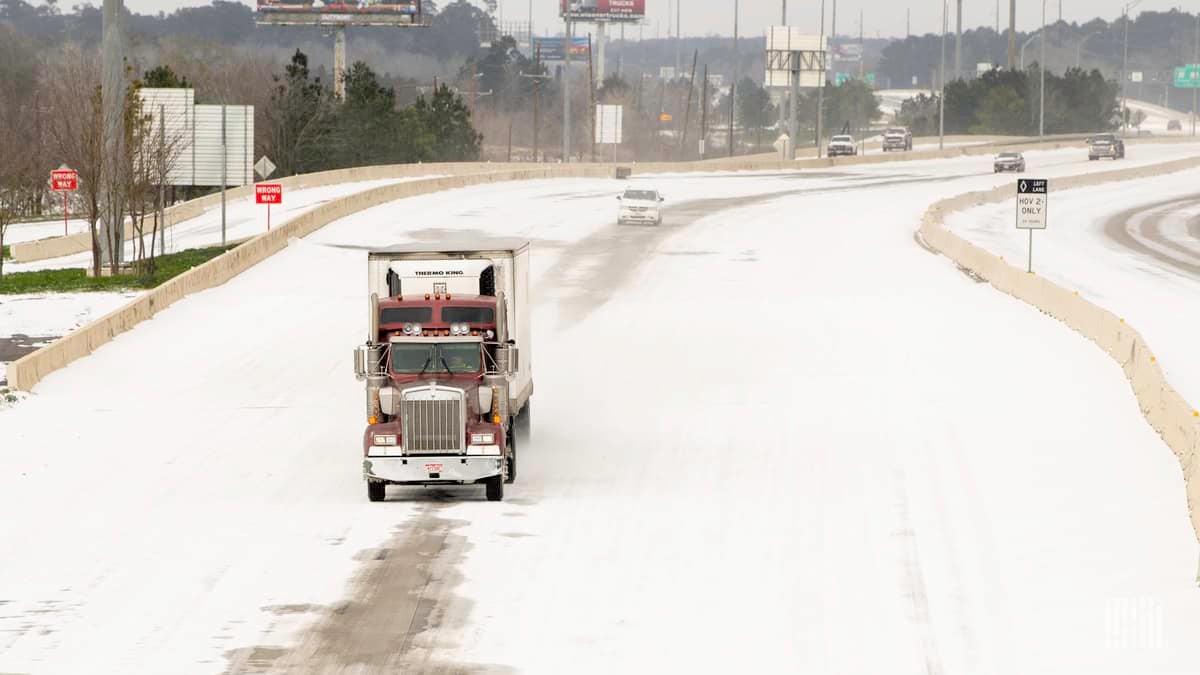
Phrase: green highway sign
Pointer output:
(871, 79)
(1188, 76)
(840, 78)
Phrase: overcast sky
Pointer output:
(882, 17)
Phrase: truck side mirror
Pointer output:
(514, 363)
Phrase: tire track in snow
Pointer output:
(913, 578)
(1140, 229)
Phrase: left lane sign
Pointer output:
(1032, 203)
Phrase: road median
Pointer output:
(1167, 412)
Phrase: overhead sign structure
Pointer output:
(64, 179)
(268, 193)
(1033, 203)
(603, 10)
(790, 51)
(1188, 77)
(341, 13)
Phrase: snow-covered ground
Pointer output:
(773, 435)
(1145, 267)
(243, 218)
(34, 319)
(42, 229)
(1158, 117)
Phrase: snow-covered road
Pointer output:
(773, 435)
(1131, 247)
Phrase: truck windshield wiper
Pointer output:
(443, 360)
(427, 361)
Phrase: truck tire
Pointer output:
(376, 490)
(494, 488)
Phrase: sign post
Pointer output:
(64, 180)
(1033, 201)
(268, 193)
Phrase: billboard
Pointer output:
(348, 12)
(604, 10)
(551, 48)
(789, 50)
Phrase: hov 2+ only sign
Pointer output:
(1032, 203)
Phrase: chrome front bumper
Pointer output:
(426, 470)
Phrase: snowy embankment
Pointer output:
(243, 219)
(772, 435)
(46, 316)
(1132, 247)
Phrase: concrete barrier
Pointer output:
(56, 247)
(1172, 417)
(27, 371)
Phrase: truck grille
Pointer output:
(433, 420)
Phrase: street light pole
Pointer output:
(820, 87)
(1125, 62)
(566, 77)
(1196, 62)
(733, 84)
(1042, 77)
(942, 77)
(1026, 44)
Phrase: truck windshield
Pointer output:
(416, 358)
(641, 195)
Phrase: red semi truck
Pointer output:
(446, 365)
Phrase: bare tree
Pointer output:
(154, 146)
(71, 81)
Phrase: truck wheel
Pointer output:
(376, 490)
(494, 488)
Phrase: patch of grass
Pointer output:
(5, 252)
(77, 280)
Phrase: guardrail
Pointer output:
(1172, 417)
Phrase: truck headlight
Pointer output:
(385, 439)
(483, 439)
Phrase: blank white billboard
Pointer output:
(196, 131)
(206, 147)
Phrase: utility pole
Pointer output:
(1042, 78)
(678, 36)
(833, 28)
(997, 17)
(566, 87)
(704, 115)
(1012, 34)
(942, 77)
(733, 84)
(592, 99)
(958, 44)
(1196, 62)
(820, 91)
(339, 62)
(1125, 63)
(112, 95)
(687, 112)
(537, 78)
(907, 23)
(224, 165)
(862, 47)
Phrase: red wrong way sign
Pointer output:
(64, 180)
(268, 193)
